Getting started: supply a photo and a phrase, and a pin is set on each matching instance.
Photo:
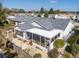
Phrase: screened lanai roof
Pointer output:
(44, 33)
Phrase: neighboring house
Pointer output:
(61, 16)
(20, 14)
(51, 15)
(42, 31)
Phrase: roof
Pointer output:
(48, 34)
(45, 23)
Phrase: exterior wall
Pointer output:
(63, 34)
(67, 30)
(16, 23)
(61, 17)
(51, 46)
(24, 37)
(51, 43)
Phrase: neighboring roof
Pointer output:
(48, 34)
(45, 23)
(11, 17)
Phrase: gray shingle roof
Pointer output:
(60, 23)
(45, 23)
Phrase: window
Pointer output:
(42, 41)
(29, 35)
(47, 42)
(58, 34)
(19, 33)
(36, 38)
(52, 40)
(55, 37)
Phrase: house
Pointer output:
(51, 15)
(61, 16)
(42, 31)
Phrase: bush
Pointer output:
(59, 43)
(38, 55)
(75, 48)
(39, 16)
(73, 39)
(77, 42)
(67, 55)
(53, 53)
(68, 49)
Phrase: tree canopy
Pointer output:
(59, 43)
(2, 15)
(75, 48)
(53, 53)
(51, 11)
(46, 14)
(77, 12)
(21, 10)
(42, 10)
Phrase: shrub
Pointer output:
(39, 15)
(38, 55)
(67, 55)
(53, 53)
(77, 42)
(75, 48)
(59, 43)
(73, 38)
(68, 49)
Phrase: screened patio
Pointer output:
(41, 37)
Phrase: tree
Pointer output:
(77, 12)
(2, 15)
(75, 49)
(0, 6)
(53, 53)
(57, 11)
(38, 55)
(21, 10)
(46, 14)
(7, 11)
(38, 15)
(59, 43)
(68, 49)
(42, 10)
(67, 55)
(51, 11)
